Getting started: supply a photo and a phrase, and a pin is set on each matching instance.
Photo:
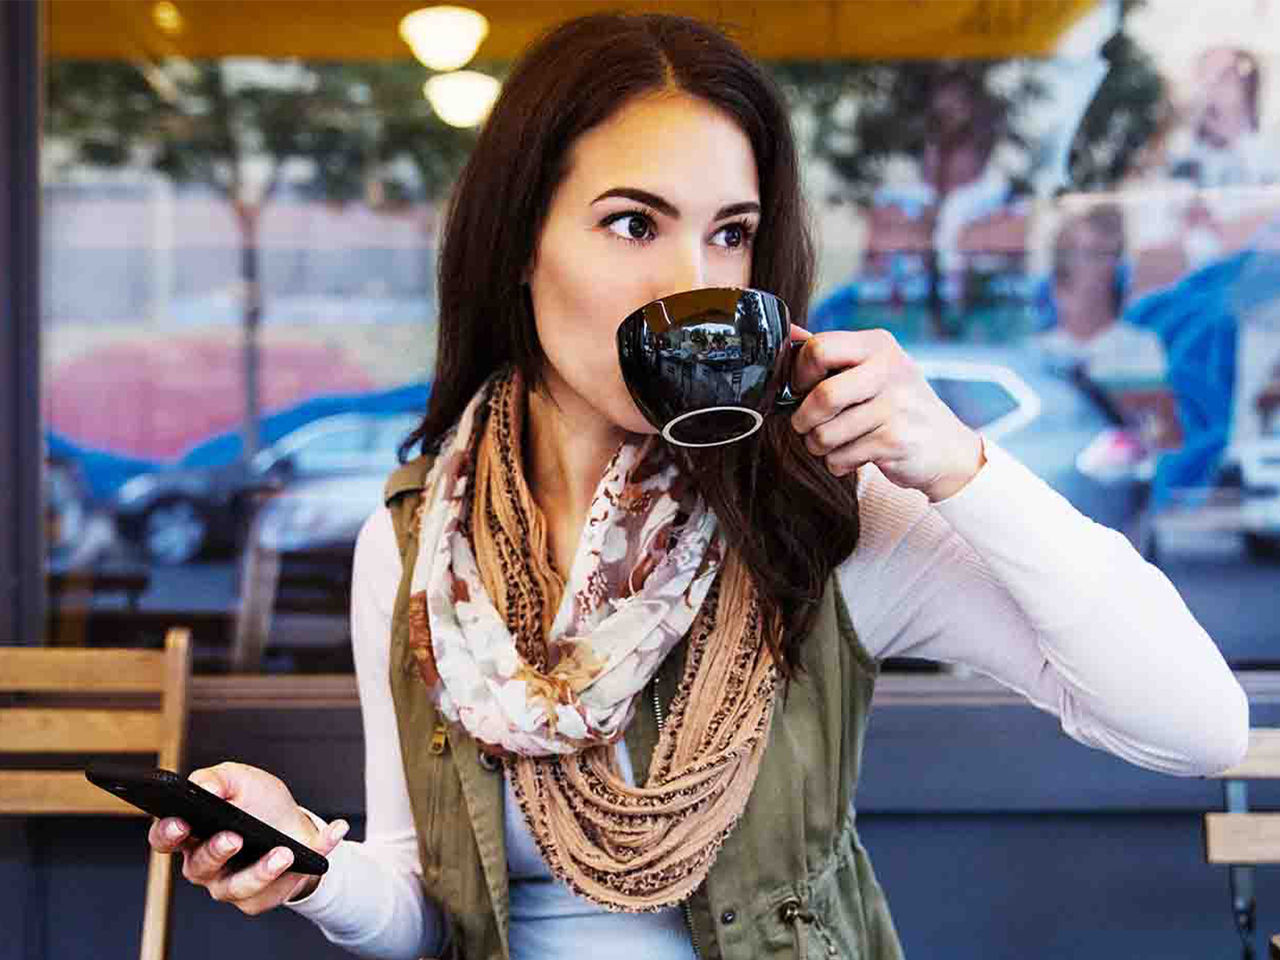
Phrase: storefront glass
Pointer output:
(1068, 212)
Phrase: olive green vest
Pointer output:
(792, 880)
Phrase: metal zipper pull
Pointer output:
(800, 918)
(439, 739)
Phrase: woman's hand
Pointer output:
(869, 403)
(264, 885)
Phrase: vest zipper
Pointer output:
(688, 911)
(436, 748)
(439, 739)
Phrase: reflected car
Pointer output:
(78, 533)
(312, 527)
(1260, 476)
(1055, 421)
(1056, 424)
(64, 503)
(176, 514)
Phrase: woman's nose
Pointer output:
(685, 269)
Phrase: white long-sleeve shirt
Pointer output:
(1005, 577)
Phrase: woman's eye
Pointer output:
(632, 226)
(734, 235)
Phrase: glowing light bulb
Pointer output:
(444, 37)
(166, 16)
(462, 98)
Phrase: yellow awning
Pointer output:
(366, 29)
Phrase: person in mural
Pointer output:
(964, 124)
(1222, 145)
(1087, 334)
(573, 641)
(1087, 295)
(946, 212)
(1206, 204)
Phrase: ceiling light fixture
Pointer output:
(166, 16)
(462, 98)
(444, 37)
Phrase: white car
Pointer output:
(1244, 503)
(1260, 482)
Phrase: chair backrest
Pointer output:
(1238, 836)
(89, 703)
(1239, 839)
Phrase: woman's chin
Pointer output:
(638, 425)
(633, 421)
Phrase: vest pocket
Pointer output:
(839, 927)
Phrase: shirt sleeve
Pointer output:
(1008, 578)
(370, 901)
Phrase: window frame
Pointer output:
(22, 585)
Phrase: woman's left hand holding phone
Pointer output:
(267, 883)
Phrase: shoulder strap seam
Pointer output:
(408, 477)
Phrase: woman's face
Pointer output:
(661, 197)
(1084, 278)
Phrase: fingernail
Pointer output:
(173, 831)
(226, 844)
(339, 830)
(280, 859)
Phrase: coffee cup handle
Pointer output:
(786, 399)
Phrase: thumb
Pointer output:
(211, 781)
(332, 836)
(799, 334)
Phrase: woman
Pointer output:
(532, 796)
(1087, 299)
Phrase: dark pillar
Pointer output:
(21, 440)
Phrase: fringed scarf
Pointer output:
(546, 674)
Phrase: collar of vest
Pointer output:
(408, 477)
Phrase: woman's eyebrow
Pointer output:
(668, 209)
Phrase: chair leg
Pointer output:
(1244, 906)
(155, 919)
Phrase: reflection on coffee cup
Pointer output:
(707, 366)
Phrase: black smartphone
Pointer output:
(163, 793)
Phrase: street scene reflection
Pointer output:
(1080, 248)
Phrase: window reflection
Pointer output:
(1080, 248)
(239, 310)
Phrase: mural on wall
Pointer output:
(1106, 217)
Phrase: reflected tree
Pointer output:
(1125, 116)
(346, 131)
(946, 117)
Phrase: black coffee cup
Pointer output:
(707, 366)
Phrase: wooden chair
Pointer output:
(47, 707)
(1240, 839)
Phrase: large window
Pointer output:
(1071, 217)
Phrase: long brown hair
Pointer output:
(789, 519)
